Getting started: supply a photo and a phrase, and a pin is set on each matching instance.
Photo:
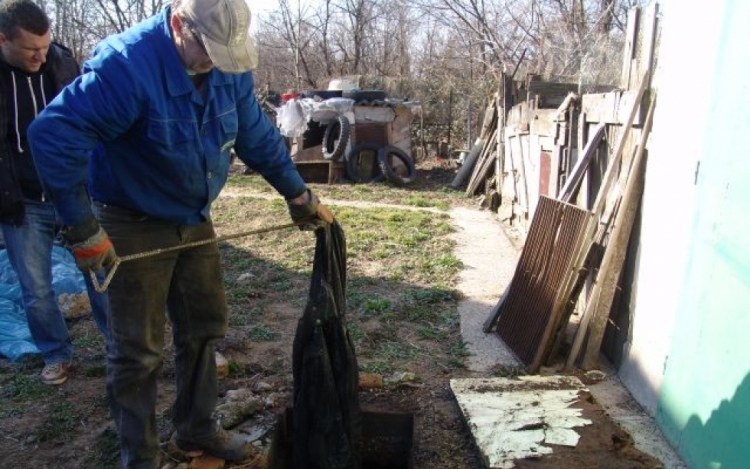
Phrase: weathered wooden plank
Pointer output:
(556, 158)
(364, 114)
(542, 122)
(490, 118)
(309, 154)
(648, 34)
(547, 143)
(480, 166)
(598, 208)
(531, 168)
(576, 174)
(467, 168)
(610, 175)
(484, 170)
(501, 105)
(510, 188)
(400, 130)
(599, 107)
(600, 301)
(522, 192)
(561, 114)
(629, 48)
(624, 104)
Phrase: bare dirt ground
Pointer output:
(69, 427)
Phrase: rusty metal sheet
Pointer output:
(548, 252)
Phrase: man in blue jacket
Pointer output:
(32, 71)
(150, 125)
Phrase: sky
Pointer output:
(260, 9)
(262, 6)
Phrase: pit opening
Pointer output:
(387, 440)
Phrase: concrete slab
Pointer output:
(520, 418)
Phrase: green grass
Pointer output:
(378, 367)
(61, 421)
(90, 341)
(106, 452)
(430, 333)
(401, 301)
(20, 387)
(243, 317)
(396, 350)
(374, 306)
(439, 197)
(262, 332)
(235, 369)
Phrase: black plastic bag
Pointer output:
(327, 421)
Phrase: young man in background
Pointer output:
(33, 70)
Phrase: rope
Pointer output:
(155, 252)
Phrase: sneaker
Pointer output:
(230, 446)
(55, 373)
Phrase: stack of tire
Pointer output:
(366, 162)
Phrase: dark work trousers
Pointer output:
(190, 283)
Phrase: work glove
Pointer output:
(90, 246)
(311, 214)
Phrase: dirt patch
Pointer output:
(603, 444)
(69, 427)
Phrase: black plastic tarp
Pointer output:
(327, 421)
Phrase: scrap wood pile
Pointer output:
(580, 191)
(479, 164)
(565, 246)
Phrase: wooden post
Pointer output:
(501, 110)
(629, 48)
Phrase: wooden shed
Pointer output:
(377, 125)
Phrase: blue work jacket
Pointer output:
(134, 129)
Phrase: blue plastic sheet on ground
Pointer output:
(15, 338)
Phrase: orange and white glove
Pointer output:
(308, 213)
(90, 245)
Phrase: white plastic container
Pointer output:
(344, 83)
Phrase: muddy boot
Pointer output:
(230, 446)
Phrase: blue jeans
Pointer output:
(190, 283)
(29, 248)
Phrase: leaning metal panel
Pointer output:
(547, 255)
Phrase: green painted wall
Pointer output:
(704, 401)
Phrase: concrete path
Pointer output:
(489, 258)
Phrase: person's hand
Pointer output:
(308, 213)
(90, 245)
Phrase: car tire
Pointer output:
(362, 163)
(336, 138)
(396, 166)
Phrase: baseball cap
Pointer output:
(224, 27)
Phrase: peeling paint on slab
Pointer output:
(513, 419)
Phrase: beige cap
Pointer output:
(224, 27)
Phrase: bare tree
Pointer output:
(122, 14)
